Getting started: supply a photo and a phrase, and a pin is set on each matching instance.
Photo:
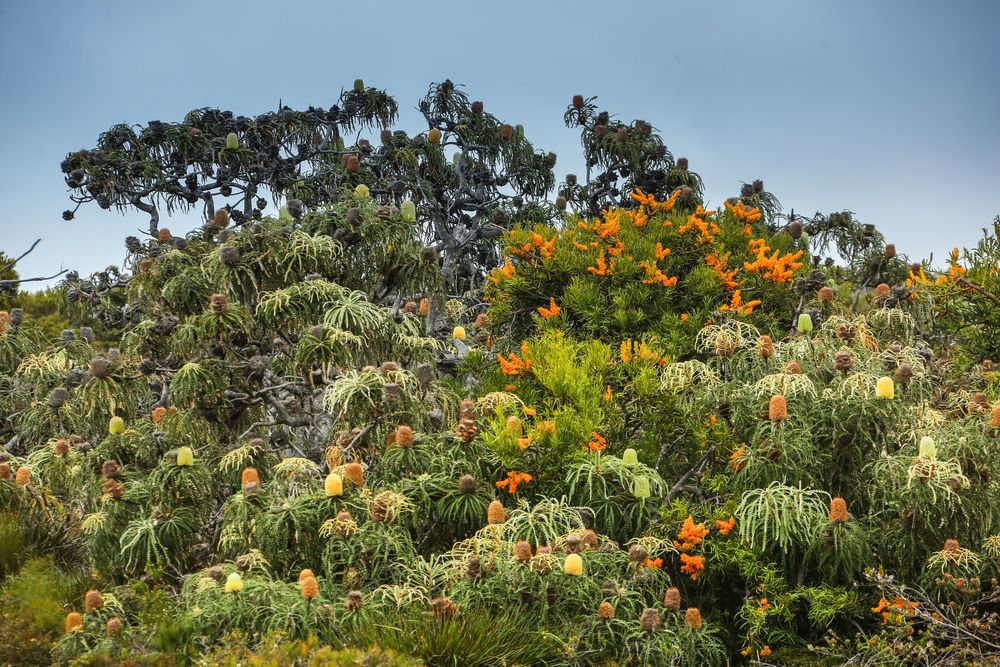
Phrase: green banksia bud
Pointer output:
(185, 457)
(928, 448)
(234, 583)
(630, 458)
(805, 324)
(408, 210)
(232, 141)
(362, 192)
(116, 426)
(640, 488)
(359, 85)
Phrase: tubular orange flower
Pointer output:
(725, 527)
(514, 480)
(692, 565)
(737, 461)
(690, 535)
(661, 252)
(552, 311)
(597, 443)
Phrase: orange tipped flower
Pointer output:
(552, 311)
(838, 510)
(496, 513)
(250, 476)
(93, 601)
(777, 410)
(354, 474)
(692, 618)
(309, 587)
(74, 621)
(765, 347)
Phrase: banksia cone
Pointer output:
(885, 389)
(843, 361)
(672, 598)
(425, 306)
(522, 551)
(215, 572)
(74, 621)
(506, 132)
(481, 320)
(411, 308)
(641, 487)
(606, 610)
(354, 474)
(590, 539)
(477, 107)
(219, 303)
(827, 294)
(232, 141)
(649, 619)
(443, 607)
(381, 507)
(164, 235)
(638, 554)
(359, 85)
(434, 136)
(881, 290)
(229, 256)
(113, 488)
(838, 510)
(904, 372)
(692, 618)
(4, 470)
(952, 546)
(574, 565)
(927, 447)
(145, 264)
(765, 347)
(467, 484)
(352, 164)
(995, 417)
(805, 324)
(58, 397)
(682, 163)
(111, 469)
(116, 426)
(793, 368)
(890, 250)
(250, 476)
(474, 568)
(561, 203)
(404, 435)
(355, 601)
(221, 218)
(795, 229)
(345, 524)
(600, 131)
(571, 179)
(630, 458)
(573, 543)
(309, 587)
(496, 512)
(114, 626)
(61, 448)
(458, 332)
(777, 410)
(93, 601)
(22, 476)
(578, 101)
(185, 457)
(621, 136)
(234, 583)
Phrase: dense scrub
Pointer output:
(647, 433)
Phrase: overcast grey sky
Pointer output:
(887, 108)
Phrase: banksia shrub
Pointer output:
(672, 599)
(496, 512)
(649, 619)
(573, 565)
(354, 474)
(777, 409)
(885, 388)
(114, 626)
(692, 618)
(606, 610)
(93, 601)
(838, 510)
(309, 587)
(23, 476)
(74, 621)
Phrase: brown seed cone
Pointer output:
(600, 131)
(164, 235)
(638, 554)
(561, 203)
(765, 347)
(904, 373)
(404, 435)
(467, 408)
(381, 507)
(352, 163)
(309, 587)
(578, 101)
(216, 572)
(114, 489)
(145, 264)
(355, 601)
(777, 410)
(354, 474)
(93, 601)
(606, 610)
(477, 107)
(474, 568)
(111, 469)
(100, 368)
(672, 598)
(388, 367)
(114, 626)
(590, 539)
(843, 361)
(793, 368)
(5, 470)
(506, 132)
(496, 513)
(890, 250)
(649, 619)
(345, 525)
(574, 544)
(411, 308)
(952, 546)
(61, 448)
(221, 218)
(73, 621)
(522, 551)
(481, 320)
(881, 290)
(467, 484)
(827, 294)
(838, 510)
(692, 618)
(219, 303)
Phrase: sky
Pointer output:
(887, 108)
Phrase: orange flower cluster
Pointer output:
(692, 565)
(606, 227)
(631, 349)
(545, 248)
(515, 365)
(552, 311)
(738, 461)
(718, 264)
(514, 480)
(656, 563)
(506, 271)
(691, 535)
(725, 527)
(656, 277)
(736, 304)
(661, 252)
(777, 267)
(650, 201)
(896, 611)
(602, 268)
(707, 230)
(955, 270)
(743, 212)
(597, 443)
